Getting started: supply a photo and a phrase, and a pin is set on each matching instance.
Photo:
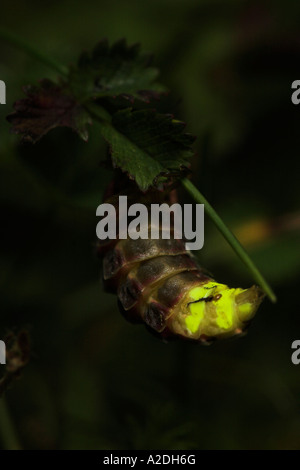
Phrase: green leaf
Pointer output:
(119, 70)
(148, 145)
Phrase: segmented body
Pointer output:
(160, 283)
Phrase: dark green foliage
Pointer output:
(147, 145)
(144, 144)
(113, 71)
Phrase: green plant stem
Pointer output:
(32, 51)
(98, 113)
(231, 239)
(8, 434)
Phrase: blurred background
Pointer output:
(95, 381)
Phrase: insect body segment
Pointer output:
(216, 311)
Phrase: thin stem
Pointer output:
(7, 431)
(98, 113)
(231, 239)
(33, 51)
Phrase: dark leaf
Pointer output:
(119, 70)
(46, 107)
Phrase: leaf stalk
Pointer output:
(230, 238)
